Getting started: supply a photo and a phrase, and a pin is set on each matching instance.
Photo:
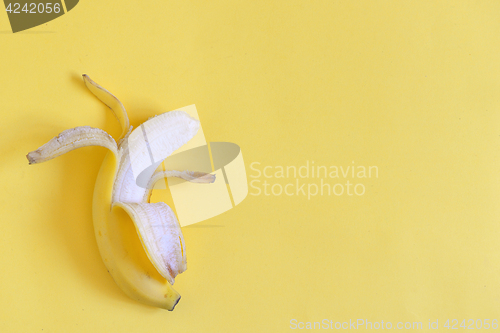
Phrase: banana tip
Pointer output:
(34, 157)
(173, 306)
(30, 158)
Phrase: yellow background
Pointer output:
(409, 86)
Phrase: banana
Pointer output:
(143, 267)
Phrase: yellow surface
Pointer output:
(409, 86)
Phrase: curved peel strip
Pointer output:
(68, 140)
(190, 176)
(111, 101)
(160, 235)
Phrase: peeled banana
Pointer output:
(145, 276)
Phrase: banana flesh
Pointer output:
(144, 275)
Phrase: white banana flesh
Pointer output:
(143, 275)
